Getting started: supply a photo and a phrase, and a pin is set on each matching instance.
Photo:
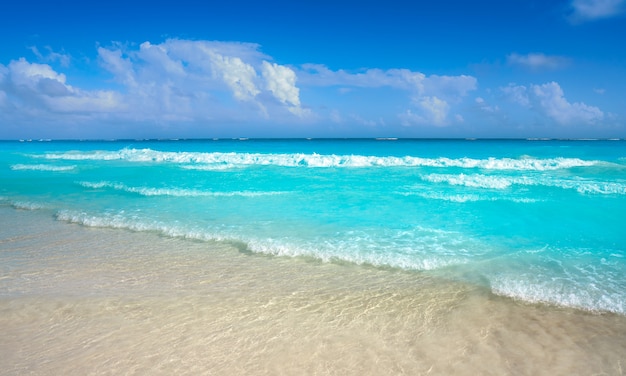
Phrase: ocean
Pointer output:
(418, 226)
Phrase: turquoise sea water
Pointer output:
(536, 220)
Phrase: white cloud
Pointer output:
(198, 81)
(37, 86)
(25, 74)
(517, 93)
(120, 67)
(431, 111)
(320, 75)
(239, 76)
(435, 108)
(480, 102)
(51, 56)
(177, 80)
(589, 10)
(550, 100)
(555, 105)
(536, 61)
(451, 87)
(281, 82)
(160, 62)
(431, 96)
(192, 79)
(417, 82)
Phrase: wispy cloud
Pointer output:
(482, 104)
(537, 61)
(50, 56)
(320, 75)
(589, 10)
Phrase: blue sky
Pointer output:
(514, 68)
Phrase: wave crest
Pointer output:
(41, 167)
(217, 160)
(175, 192)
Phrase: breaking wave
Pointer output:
(41, 167)
(217, 160)
(175, 192)
(583, 186)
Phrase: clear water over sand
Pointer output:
(80, 300)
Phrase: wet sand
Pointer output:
(76, 300)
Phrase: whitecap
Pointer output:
(41, 167)
(174, 192)
(320, 160)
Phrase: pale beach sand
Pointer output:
(86, 301)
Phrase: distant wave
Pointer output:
(176, 192)
(41, 167)
(216, 159)
(208, 167)
(466, 197)
(583, 186)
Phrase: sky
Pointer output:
(196, 69)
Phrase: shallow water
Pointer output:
(539, 221)
(77, 300)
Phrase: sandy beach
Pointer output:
(78, 300)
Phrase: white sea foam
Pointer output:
(411, 249)
(583, 186)
(27, 205)
(319, 160)
(568, 295)
(474, 181)
(175, 192)
(416, 249)
(465, 197)
(41, 167)
(208, 167)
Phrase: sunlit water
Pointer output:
(395, 256)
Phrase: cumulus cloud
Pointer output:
(589, 10)
(431, 111)
(177, 80)
(549, 99)
(207, 81)
(33, 86)
(552, 100)
(536, 61)
(197, 76)
(517, 94)
(281, 82)
(237, 75)
(431, 96)
(405, 79)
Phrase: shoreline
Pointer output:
(104, 301)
